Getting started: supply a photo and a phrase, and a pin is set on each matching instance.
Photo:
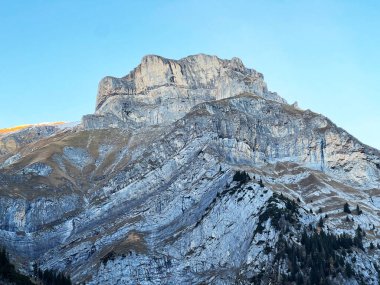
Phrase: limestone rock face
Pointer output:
(192, 172)
(160, 90)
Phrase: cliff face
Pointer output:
(219, 190)
(160, 91)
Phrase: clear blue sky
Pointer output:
(323, 54)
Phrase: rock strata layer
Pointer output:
(160, 90)
(192, 172)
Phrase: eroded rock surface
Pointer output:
(160, 90)
(192, 172)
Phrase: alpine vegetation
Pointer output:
(190, 171)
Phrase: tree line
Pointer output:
(9, 273)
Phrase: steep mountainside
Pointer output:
(192, 172)
(12, 139)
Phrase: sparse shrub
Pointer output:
(320, 223)
(267, 249)
(346, 208)
(358, 211)
(349, 271)
(109, 256)
(358, 239)
(276, 214)
(241, 176)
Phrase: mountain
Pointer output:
(11, 139)
(191, 172)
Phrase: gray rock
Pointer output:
(146, 191)
(160, 90)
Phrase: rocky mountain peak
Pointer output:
(161, 90)
(191, 172)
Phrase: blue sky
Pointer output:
(323, 54)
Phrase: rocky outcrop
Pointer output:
(220, 190)
(12, 141)
(160, 90)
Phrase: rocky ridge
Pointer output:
(160, 90)
(189, 172)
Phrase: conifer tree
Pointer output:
(346, 208)
(358, 211)
(320, 223)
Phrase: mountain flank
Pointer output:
(191, 171)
